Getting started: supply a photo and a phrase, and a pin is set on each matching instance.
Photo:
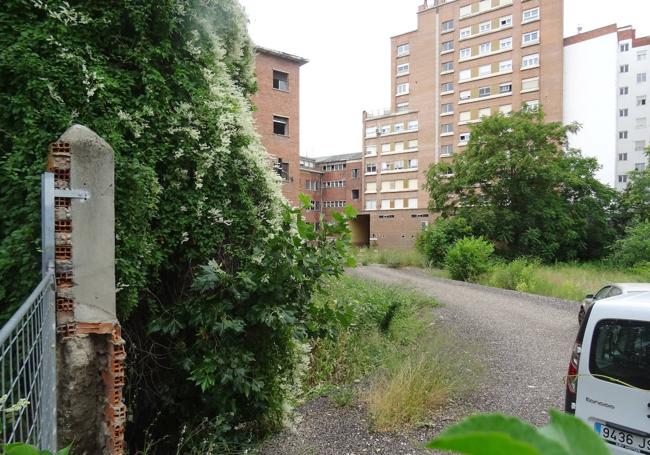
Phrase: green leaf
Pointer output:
(574, 435)
(20, 448)
(350, 211)
(495, 434)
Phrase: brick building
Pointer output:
(277, 113)
(467, 59)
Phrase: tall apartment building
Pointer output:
(277, 115)
(332, 182)
(466, 60)
(611, 66)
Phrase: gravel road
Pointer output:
(524, 343)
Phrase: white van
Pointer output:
(608, 382)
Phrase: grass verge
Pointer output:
(390, 257)
(389, 342)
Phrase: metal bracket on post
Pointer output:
(72, 194)
(47, 222)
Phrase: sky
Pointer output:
(347, 44)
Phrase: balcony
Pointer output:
(387, 112)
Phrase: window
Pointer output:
(639, 166)
(622, 134)
(641, 122)
(641, 55)
(355, 173)
(371, 132)
(280, 80)
(385, 148)
(505, 21)
(385, 204)
(484, 5)
(484, 27)
(622, 156)
(402, 69)
(412, 144)
(625, 47)
(446, 128)
(639, 146)
(530, 38)
(402, 89)
(371, 204)
(465, 10)
(504, 66)
(622, 178)
(465, 74)
(465, 95)
(448, 66)
(465, 116)
(619, 352)
(398, 146)
(505, 109)
(371, 187)
(402, 50)
(412, 125)
(484, 70)
(385, 129)
(623, 90)
(447, 87)
(484, 91)
(413, 203)
(532, 104)
(398, 127)
(280, 125)
(505, 88)
(466, 53)
(447, 46)
(463, 137)
(624, 68)
(446, 149)
(485, 112)
(412, 164)
(641, 100)
(371, 168)
(505, 43)
(447, 108)
(530, 15)
(371, 150)
(530, 84)
(355, 194)
(530, 61)
(402, 107)
(622, 112)
(465, 32)
(641, 77)
(398, 204)
(447, 26)
(484, 48)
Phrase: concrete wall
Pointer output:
(590, 98)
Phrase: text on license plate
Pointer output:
(614, 436)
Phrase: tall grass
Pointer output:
(407, 368)
(390, 257)
(569, 281)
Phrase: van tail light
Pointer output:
(572, 373)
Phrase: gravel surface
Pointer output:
(524, 343)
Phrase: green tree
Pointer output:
(519, 185)
(635, 200)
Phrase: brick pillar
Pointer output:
(90, 349)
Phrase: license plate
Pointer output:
(625, 439)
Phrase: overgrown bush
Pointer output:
(518, 275)
(469, 258)
(434, 241)
(634, 248)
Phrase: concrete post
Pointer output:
(90, 350)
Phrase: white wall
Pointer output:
(590, 98)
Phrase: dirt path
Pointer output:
(524, 340)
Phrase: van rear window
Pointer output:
(620, 352)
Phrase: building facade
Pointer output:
(277, 114)
(609, 64)
(466, 60)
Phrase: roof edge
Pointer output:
(280, 54)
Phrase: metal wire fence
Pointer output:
(27, 364)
